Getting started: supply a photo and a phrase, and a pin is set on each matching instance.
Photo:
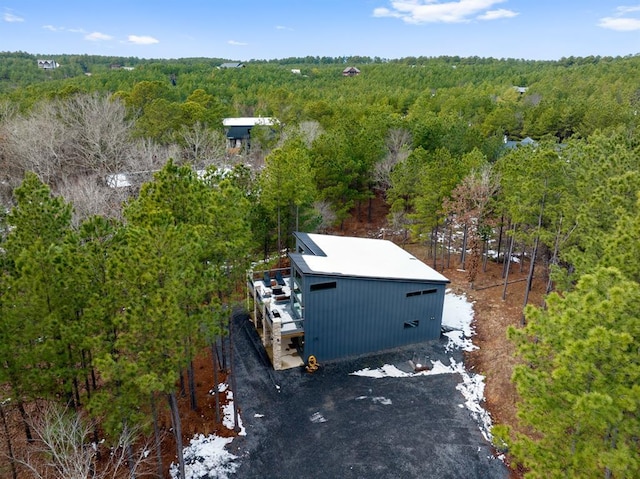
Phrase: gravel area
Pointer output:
(333, 424)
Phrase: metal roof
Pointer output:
(361, 257)
(250, 121)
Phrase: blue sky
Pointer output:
(270, 29)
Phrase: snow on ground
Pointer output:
(457, 316)
(457, 320)
(206, 456)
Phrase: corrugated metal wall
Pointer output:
(360, 316)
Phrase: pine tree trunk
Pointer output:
(530, 275)
(485, 255)
(177, 431)
(156, 435)
(500, 237)
(435, 247)
(449, 245)
(87, 385)
(14, 472)
(232, 382)
(554, 257)
(216, 383)
(534, 253)
(192, 387)
(183, 387)
(508, 263)
(130, 460)
(279, 237)
(463, 253)
(25, 420)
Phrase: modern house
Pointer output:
(342, 297)
(350, 72)
(238, 130)
(232, 65)
(528, 141)
(47, 64)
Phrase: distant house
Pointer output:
(238, 130)
(47, 64)
(350, 72)
(296, 71)
(514, 144)
(521, 89)
(232, 65)
(345, 296)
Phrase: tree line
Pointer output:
(107, 316)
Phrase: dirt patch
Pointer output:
(495, 358)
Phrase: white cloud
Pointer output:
(142, 39)
(622, 10)
(623, 20)
(282, 27)
(233, 42)
(496, 14)
(620, 24)
(436, 11)
(97, 37)
(51, 28)
(11, 18)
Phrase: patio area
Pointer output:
(281, 331)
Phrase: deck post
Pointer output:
(277, 344)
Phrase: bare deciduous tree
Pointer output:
(398, 144)
(204, 146)
(310, 130)
(326, 214)
(63, 449)
(470, 204)
(34, 143)
(97, 133)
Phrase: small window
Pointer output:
(424, 291)
(411, 324)
(321, 286)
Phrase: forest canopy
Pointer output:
(107, 163)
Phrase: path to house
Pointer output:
(333, 424)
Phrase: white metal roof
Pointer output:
(249, 121)
(366, 257)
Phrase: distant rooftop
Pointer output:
(362, 257)
(249, 121)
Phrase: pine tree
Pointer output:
(579, 379)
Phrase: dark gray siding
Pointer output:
(360, 315)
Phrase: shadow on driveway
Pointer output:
(331, 424)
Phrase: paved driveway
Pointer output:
(331, 424)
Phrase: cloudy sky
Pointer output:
(270, 29)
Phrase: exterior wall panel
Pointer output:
(361, 315)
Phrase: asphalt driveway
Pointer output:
(332, 424)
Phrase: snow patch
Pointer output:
(457, 319)
(206, 457)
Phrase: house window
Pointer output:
(296, 293)
(321, 286)
(411, 324)
(419, 293)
